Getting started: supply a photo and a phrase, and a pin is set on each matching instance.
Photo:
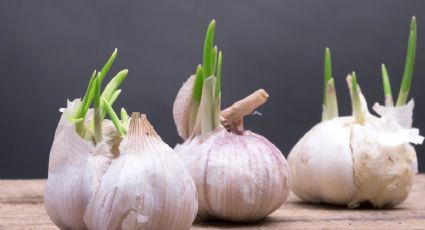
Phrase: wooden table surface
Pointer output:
(21, 207)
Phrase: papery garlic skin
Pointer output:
(75, 166)
(181, 107)
(146, 187)
(321, 163)
(403, 116)
(63, 193)
(239, 177)
(345, 163)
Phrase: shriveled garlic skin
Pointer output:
(75, 166)
(239, 178)
(403, 116)
(146, 187)
(341, 162)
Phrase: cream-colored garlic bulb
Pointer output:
(240, 176)
(75, 167)
(342, 162)
(356, 159)
(145, 187)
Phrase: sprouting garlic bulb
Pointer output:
(238, 177)
(75, 167)
(356, 159)
(145, 187)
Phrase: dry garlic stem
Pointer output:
(232, 117)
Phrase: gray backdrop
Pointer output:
(48, 50)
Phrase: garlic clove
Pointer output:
(321, 163)
(75, 169)
(383, 174)
(181, 107)
(63, 200)
(146, 186)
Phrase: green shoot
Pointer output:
(112, 100)
(80, 115)
(387, 86)
(196, 97)
(327, 73)
(208, 50)
(205, 109)
(115, 120)
(197, 87)
(330, 110)
(214, 60)
(107, 66)
(88, 97)
(97, 120)
(76, 121)
(124, 118)
(408, 68)
(218, 75)
(114, 84)
(330, 104)
(355, 100)
(206, 106)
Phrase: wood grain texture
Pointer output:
(22, 207)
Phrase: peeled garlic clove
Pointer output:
(146, 186)
(239, 177)
(181, 108)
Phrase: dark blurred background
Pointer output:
(48, 50)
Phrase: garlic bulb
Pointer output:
(146, 186)
(360, 158)
(83, 147)
(239, 175)
(75, 167)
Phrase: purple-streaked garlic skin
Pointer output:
(240, 178)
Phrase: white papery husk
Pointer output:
(75, 167)
(146, 187)
(181, 107)
(341, 162)
(403, 116)
(239, 177)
